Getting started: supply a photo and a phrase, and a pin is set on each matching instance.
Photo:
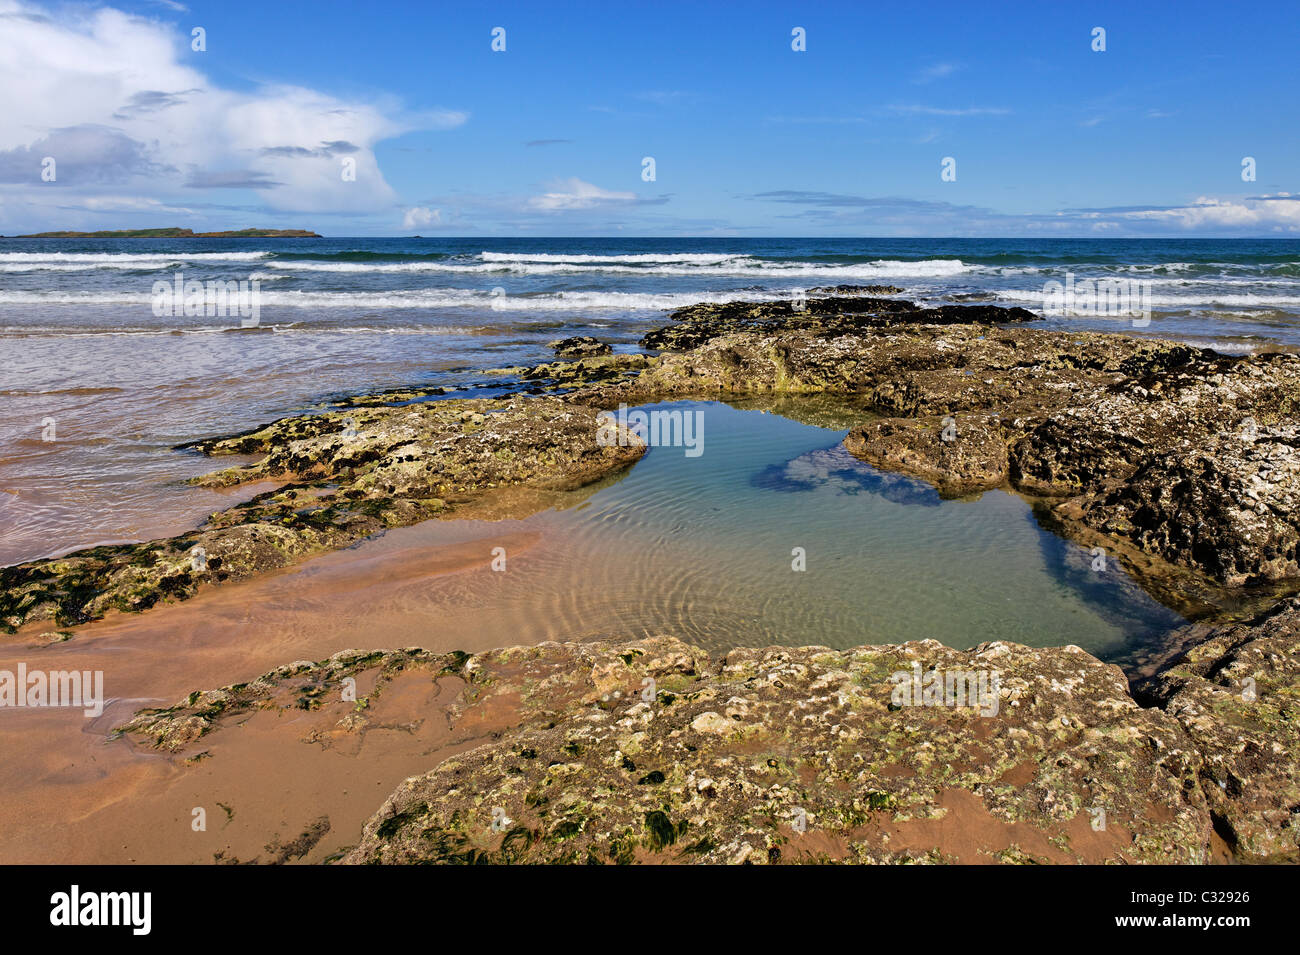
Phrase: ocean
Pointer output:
(97, 388)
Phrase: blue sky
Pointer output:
(748, 136)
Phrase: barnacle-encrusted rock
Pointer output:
(651, 751)
(1230, 507)
(1237, 696)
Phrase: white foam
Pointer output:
(417, 298)
(114, 257)
(289, 329)
(735, 266)
(138, 265)
(1227, 348)
(560, 301)
(702, 258)
(1169, 301)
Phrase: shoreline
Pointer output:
(1030, 438)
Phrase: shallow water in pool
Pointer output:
(706, 548)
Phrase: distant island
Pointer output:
(178, 234)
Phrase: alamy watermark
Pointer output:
(977, 688)
(660, 428)
(40, 688)
(213, 299)
(1111, 298)
(75, 907)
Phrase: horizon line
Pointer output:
(846, 238)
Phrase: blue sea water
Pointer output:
(1239, 291)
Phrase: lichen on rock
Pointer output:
(801, 755)
(1236, 694)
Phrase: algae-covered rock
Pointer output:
(955, 454)
(843, 290)
(835, 314)
(648, 751)
(580, 346)
(591, 370)
(302, 685)
(1237, 696)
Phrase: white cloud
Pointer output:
(130, 204)
(440, 119)
(76, 77)
(575, 194)
(1279, 212)
(662, 97)
(936, 72)
(420, 217)
(917, 110)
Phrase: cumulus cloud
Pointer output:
(1279, 213)
(87, 154)
(117, 98)
(420, 217)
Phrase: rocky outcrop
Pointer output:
(1180, 461)
(1237, 696)
(696, 324)
(347, 475)
(847, 290)
(807, 755)
(564, 376)
(581, 346)
(652, 751)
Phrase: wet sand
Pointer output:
(32, 514)
(69, 793)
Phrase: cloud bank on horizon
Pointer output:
(687, 120)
